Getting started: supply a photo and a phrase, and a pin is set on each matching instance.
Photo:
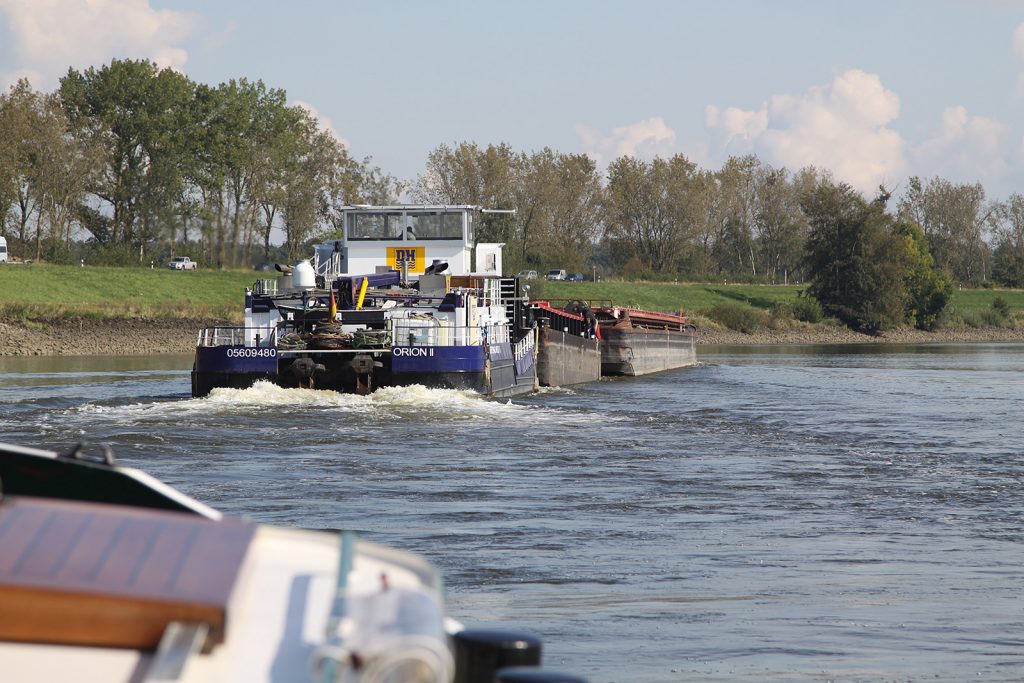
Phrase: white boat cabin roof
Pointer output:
(410, 236)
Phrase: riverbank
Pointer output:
(70, 336)
(141, 336)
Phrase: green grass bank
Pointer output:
(31, 291)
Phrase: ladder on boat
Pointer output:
(507, 291)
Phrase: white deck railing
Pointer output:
(237, 336)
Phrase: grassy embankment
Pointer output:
(36, 291)
(771, 304)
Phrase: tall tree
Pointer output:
(44, 170)
(467, 174)
(733, 216)
(780, 227)
(655, 207)
(578, 210)
(558, 201)
(238, 124)
(929, 290)
(1008, 226)
(953, 218)
(139, 114)
(855, 261)
(316, 174)
(19, 146)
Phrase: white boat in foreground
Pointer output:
(106, 574)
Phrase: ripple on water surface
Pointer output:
(852, 515)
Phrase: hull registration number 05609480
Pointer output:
(261, 352)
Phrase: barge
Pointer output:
(569, 349)
(638, 342)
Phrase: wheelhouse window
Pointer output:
(435, 226)
(407, 226)
(375, 226)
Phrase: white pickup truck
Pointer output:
(182, 263)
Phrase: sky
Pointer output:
(874, 91)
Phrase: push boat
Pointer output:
(108, 575)
(404, 297)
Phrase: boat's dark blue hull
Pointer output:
(496, 370)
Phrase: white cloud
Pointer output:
(734, 126)
(643, 140)
(324, 123)
(1017, 41)
(842, 126)
(49, 36)
(1017, 45)
(846, 127)
(965, 149)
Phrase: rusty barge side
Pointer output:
(565, 359)
(637, 342)
(568, 349)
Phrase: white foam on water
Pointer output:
(447, 401)
(414, 401)
(269, 395)
(566, 391)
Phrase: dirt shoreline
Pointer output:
(141, 336)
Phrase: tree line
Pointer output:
(142, 162)
(129, 162)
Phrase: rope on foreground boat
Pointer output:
(330, 336)
(362, 339)
(293, 340)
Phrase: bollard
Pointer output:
(527, 674)
(480, 653)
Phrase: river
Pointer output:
(848, 513)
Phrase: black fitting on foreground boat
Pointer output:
(527, 674)
(481, 653)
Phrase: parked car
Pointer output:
(575, 277)
(555, 275)
(527, 275)
(182, 263)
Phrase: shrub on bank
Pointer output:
(807, 309)
(986, 317)
(738, 317)
(1000, 307)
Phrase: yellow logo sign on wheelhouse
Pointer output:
(413, 257)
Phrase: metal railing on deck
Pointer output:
(427, 331)
(237, 336)
(424, 331)
(265, 287)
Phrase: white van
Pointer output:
(3, 249)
